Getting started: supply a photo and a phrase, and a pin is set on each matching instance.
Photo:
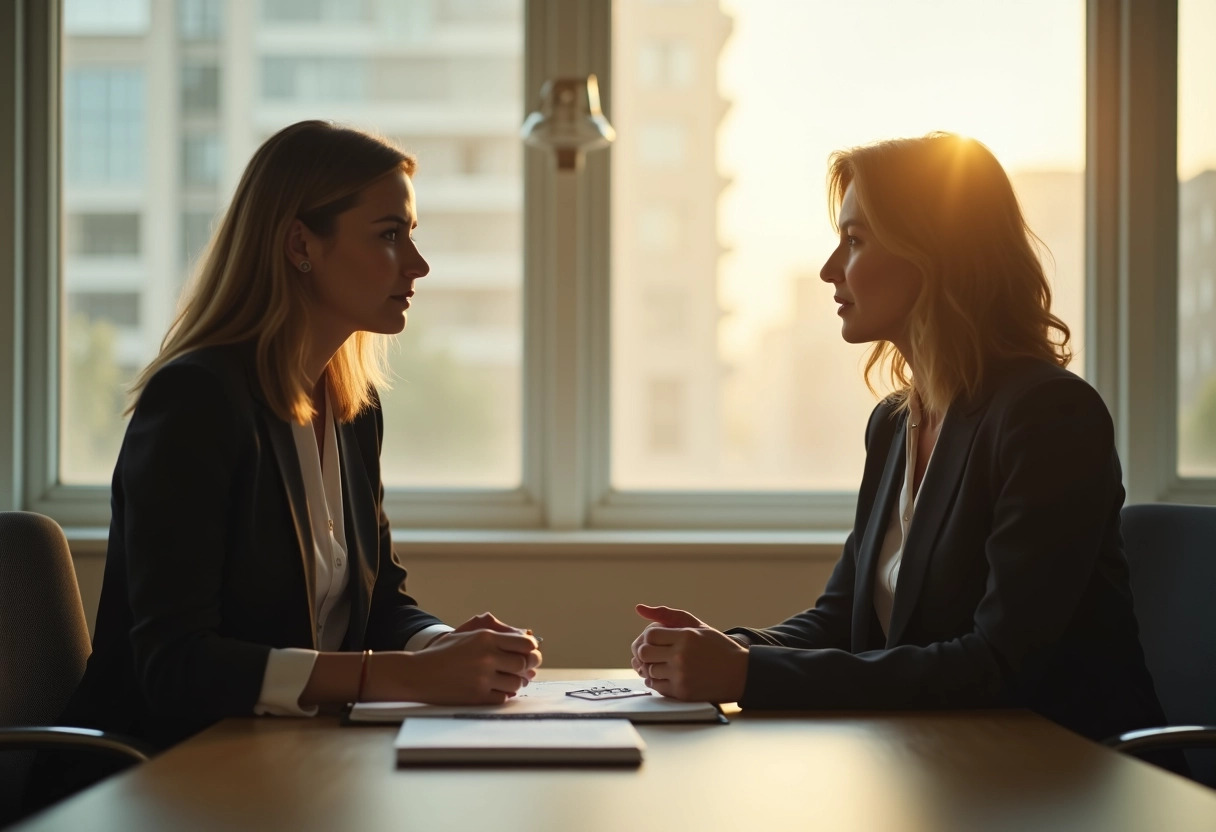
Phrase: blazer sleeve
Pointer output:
(394, 616)
(829, 623)
(180, 457)
(1057, 482)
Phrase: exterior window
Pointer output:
(454, 414)
(201, 159)
(103, 133)
(105, 18)
(314, 79)
(200, 88)
(199, 19)
(735, 106)
(1196, 240)
(103, 235)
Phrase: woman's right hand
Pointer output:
(479, 667)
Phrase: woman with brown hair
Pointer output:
(250, 568)
(985, 565)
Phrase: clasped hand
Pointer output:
(483, 661)
(681, 656)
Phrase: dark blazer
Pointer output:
(1013, 588)
(211, 561)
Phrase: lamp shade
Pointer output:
(568, 119)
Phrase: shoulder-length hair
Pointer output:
(944, 203)
(245, 290)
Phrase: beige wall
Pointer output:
(583, 605)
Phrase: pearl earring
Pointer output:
(305, 266)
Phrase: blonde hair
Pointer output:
(944, 203)
(245, 290)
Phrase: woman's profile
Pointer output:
(985, 565)
(250, 567)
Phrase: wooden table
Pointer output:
(936, 772)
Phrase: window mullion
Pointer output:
(564, 320)
(11, 184)
(1100, 350)
(40, 272)
(1148, 247)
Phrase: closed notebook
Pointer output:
(440, 741)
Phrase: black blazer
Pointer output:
(211, 560)
(1013, 587)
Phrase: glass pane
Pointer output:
(728, 367)
(156, 134)
(1196, 239)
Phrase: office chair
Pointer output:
(44, 644)
(1171, 552)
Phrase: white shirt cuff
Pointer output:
(423, 638)
(287, 673)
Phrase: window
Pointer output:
(314, 79)
(775, 398)
(698, 333)
(103, 132)
(454, 414)
(103, 235)
(107, 18)
(199, 19)
(316, 11)
(121, 309)
(473, 11)
(201, 159)
(1197, 240)
(200, 88)
(663, 63)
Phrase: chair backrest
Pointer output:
(1171, 552)
(44, 640)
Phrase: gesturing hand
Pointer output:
(681, 656)
(659, 617)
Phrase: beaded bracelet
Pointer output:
(362, 675)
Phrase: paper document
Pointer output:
(599, 698)
(498, 741)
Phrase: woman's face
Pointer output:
(875, 289)
(363, 274)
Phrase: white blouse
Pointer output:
(886, 574)
(288, 669)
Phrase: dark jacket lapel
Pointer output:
(937, 493)
(362, 533)
(284, 446)
(871, 540)
(288, 460)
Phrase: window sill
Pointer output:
(603, 544)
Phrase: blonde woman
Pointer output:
(250, 568)
(985, 565)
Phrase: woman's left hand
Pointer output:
(682, 657)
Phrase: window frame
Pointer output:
(1130, 236)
